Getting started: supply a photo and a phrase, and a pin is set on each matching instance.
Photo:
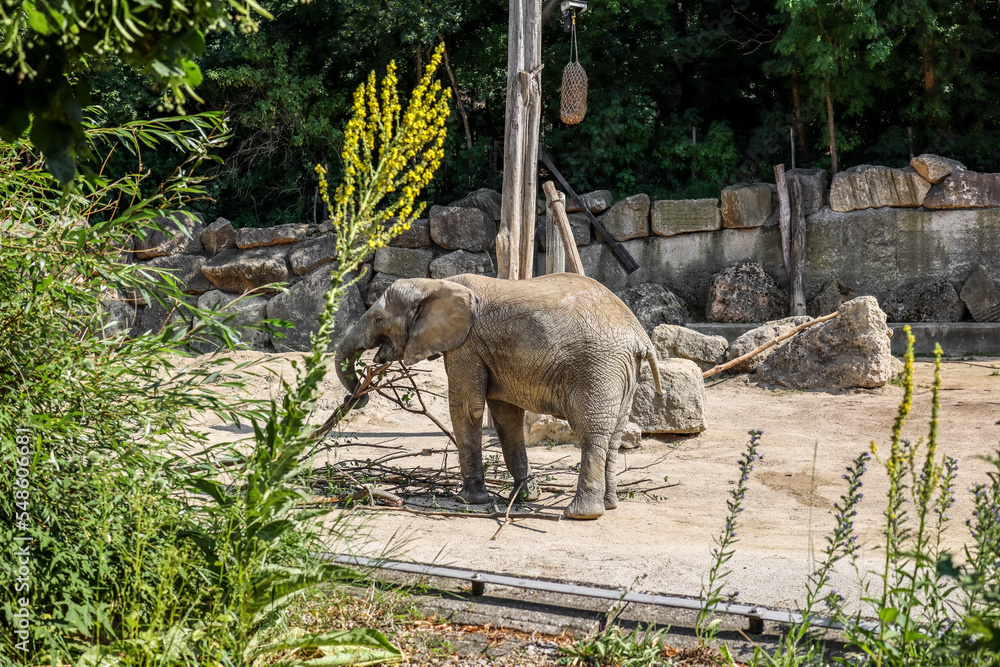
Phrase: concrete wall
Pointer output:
(871, 250)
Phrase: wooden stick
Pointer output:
(788, 334)
(555, 253)
(465, 515)
(573, 262)
(784, 216)
(797, 249)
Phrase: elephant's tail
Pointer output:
(651, 358)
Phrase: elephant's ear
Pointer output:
(442, 321)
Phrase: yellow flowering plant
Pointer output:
(389, 155)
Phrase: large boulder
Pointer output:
(235, 270)
(934, 167)
(404, 262)
(302, 305)
(218, 236)
(673, 341)
(486, 200)
(924, 301)
(751, 340)
(628, 219)
(681, 409)
(120, 314)
(245, 311)
(679, 216)
(744, 293)
(460, 261)
(180, 235)
(871, 186)
(186, 269)
(745, 206)
(262, 237)
(851, 350)
(595, 202)
(965, 189)
(813, 185)
(156, 316)
(379, 284)
(980, 296)
(311, 254)
(417, 236)
(653, 305)
(457, 228)
(829, 298)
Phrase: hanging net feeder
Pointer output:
(573, 101)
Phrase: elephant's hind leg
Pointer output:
(610, 467)
(509, 420)
(595, 437)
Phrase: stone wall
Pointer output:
(923, 230)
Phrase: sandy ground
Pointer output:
(664, 545)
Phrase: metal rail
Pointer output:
(757, 615)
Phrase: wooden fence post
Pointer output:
(555, 254)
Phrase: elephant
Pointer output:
(560, 344)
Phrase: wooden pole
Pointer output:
(771, 343)
(555, 204)
(798, 249)
(515, 241)
(784, 215)
(555, 253)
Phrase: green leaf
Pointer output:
(37, 20)
(195, 42)
(192, 73)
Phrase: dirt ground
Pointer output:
(664, 543)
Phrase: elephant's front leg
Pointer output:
(509, 420)
(466, 399)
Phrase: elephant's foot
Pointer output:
(610, 501)
(585, 507)
(529, 490)
(474, 496)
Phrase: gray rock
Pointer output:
(744, 293)
(244, 311)
(829, 298)
(673, 341)
(239, 271)
(754, 338)
(965, 189)
(628, 219)
(120, 314)
(156, 317)
(681, 409)
(263, 237)
(181, 235)
(813, 185)
(311, 254)
(670, 217)
(462, 229)
(579, 224)
(745, 206)
(186, 269)
(871, 186)
(218, 236)
(851, 350)
(935, 168)
(980, 296)
(302, 305)
(460, 261)
(484, 199)
(653, 305)
(631, 436)
(924, 301)
(596, 202)
(379, 284)
(417, 236)
(546, 430)
(404, 262)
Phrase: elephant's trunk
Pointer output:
(347, 352)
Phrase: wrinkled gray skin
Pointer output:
(562, 345)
